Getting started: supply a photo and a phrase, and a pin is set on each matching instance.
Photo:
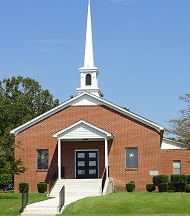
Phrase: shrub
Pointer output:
(150, 187)
(130, 187)
(188, 179)
(22, 187)
(42, 187)
(187, 188)
(5, 180)
(161, 181)
(163, 187)
(170, 186)
(179, 182)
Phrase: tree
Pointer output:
(180, 127)
(5, 180)
(21, 99)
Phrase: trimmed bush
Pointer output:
(188, 179)
(161, 181)
(179, 182)
(150, 187)
(42, 187)
(163, 187)
(170, 187)
(22, 187)
(130, 187)
(187, 188)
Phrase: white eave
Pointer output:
(83, 130)
(86, 99)
(170, 144)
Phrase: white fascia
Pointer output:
(99, 101)
(44, 115)
(129, 113)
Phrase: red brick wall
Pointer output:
(168, 156)
(127, 133)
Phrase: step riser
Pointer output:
(75, 187)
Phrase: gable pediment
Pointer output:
(86, 100)
(82, 130)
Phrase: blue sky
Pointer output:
(141, 48)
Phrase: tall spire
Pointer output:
(89, 73)
(89, 56)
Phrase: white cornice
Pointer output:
(44, 116)
(86, 99)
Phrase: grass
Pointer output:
(117, 204)
(10, 203)
(133, 204)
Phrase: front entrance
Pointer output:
(86, 164)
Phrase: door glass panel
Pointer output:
(81, 172)
(81, 163)
(92, 163)
(86, 164)
(92, 155)
(92, 172)
(81, 155)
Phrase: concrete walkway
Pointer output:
(48, 207)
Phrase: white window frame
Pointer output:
(176, 167)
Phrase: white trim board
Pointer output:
(86, 99)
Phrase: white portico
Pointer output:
(83, 131)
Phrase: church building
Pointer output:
(88, 138)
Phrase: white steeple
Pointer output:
(89, 56)
(89, 73)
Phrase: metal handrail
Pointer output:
(61, 199)
(53, 181)
(104, 178)
(54, 178)
(24, 199)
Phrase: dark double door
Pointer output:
(86, 164)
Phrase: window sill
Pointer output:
(42, 170)
(131, 169)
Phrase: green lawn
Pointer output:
(133, 204)
(10, 203)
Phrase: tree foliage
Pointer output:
(21, 99)
(180, 127)
(5, 179)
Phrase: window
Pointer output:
(88, 79)
(131, 158)
(42, 159)
(176, 167)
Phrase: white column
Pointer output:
(59, 159)
(106, 157)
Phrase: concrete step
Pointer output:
(78, 187)
(47, 207)
(41, 209)
(75, 189)
(38, 214)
